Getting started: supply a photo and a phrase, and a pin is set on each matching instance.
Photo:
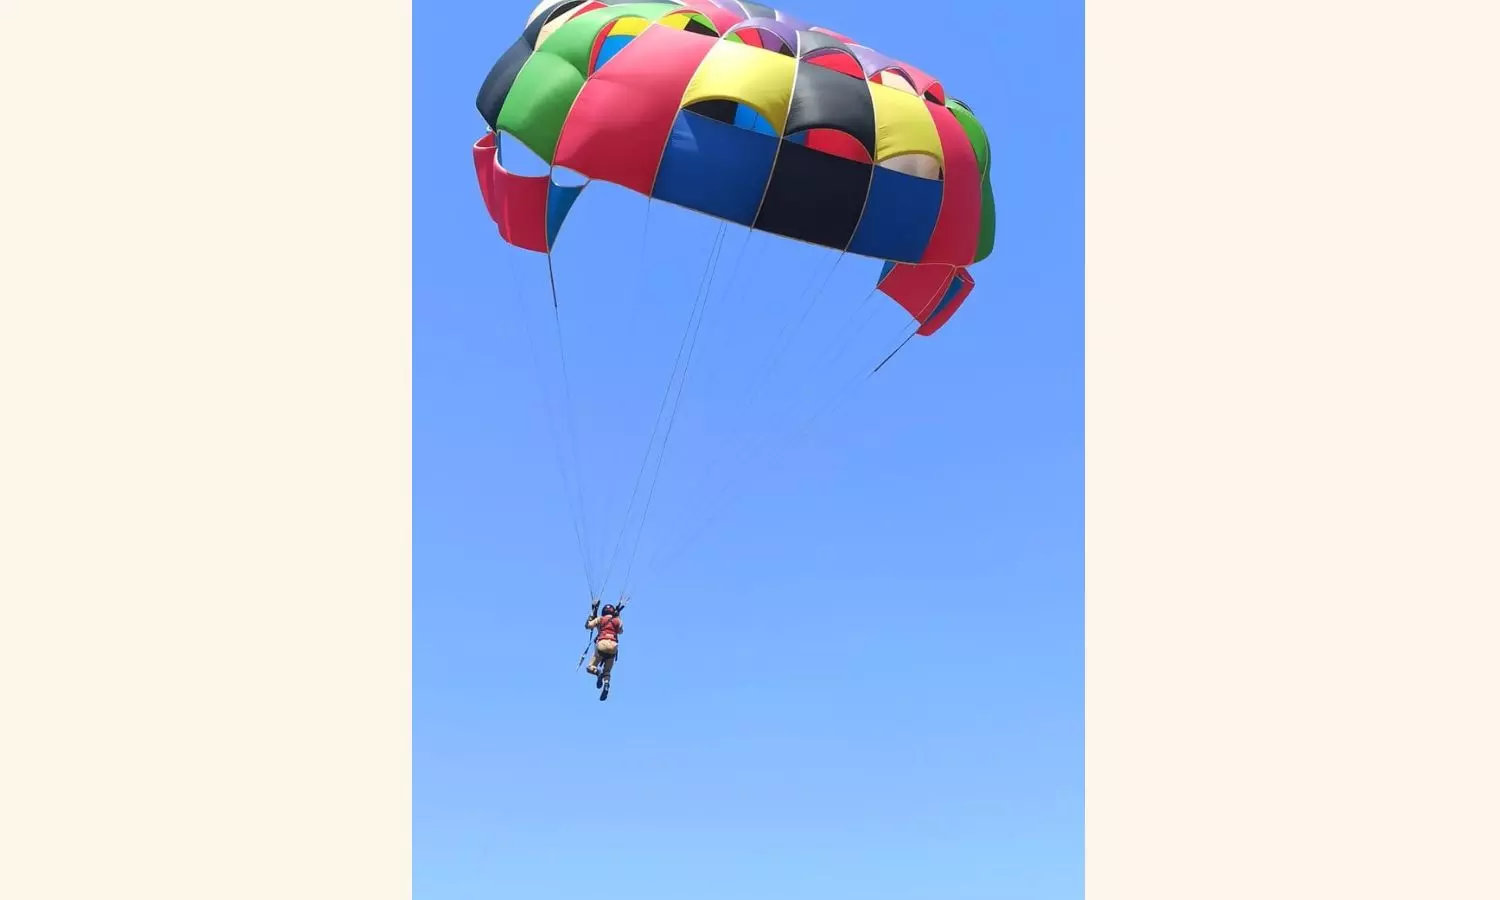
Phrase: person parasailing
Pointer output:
(608, 627)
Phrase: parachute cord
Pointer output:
(850, 333)
(728, 497)
(572, 430)
(908, 331)
(719, 464)
(681, 387)
(661, 408)
(557, 455)
(639, 271)
(789, 335)
(894, 352)
(727, 300)
(784, 338)
(633, 310)
(682, 346)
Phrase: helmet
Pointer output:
(609, 609)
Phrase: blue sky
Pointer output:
(865, 676)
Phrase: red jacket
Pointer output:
(610, 628)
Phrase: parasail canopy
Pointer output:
(752, 116)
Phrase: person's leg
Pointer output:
(594, 663)
(608, 650)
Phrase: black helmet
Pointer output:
(609, 609)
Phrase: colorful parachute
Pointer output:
(752, 116)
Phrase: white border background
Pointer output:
(1292, 447)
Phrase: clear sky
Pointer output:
(864, 678)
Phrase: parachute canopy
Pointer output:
(750, 115)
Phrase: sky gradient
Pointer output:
(865, 678)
